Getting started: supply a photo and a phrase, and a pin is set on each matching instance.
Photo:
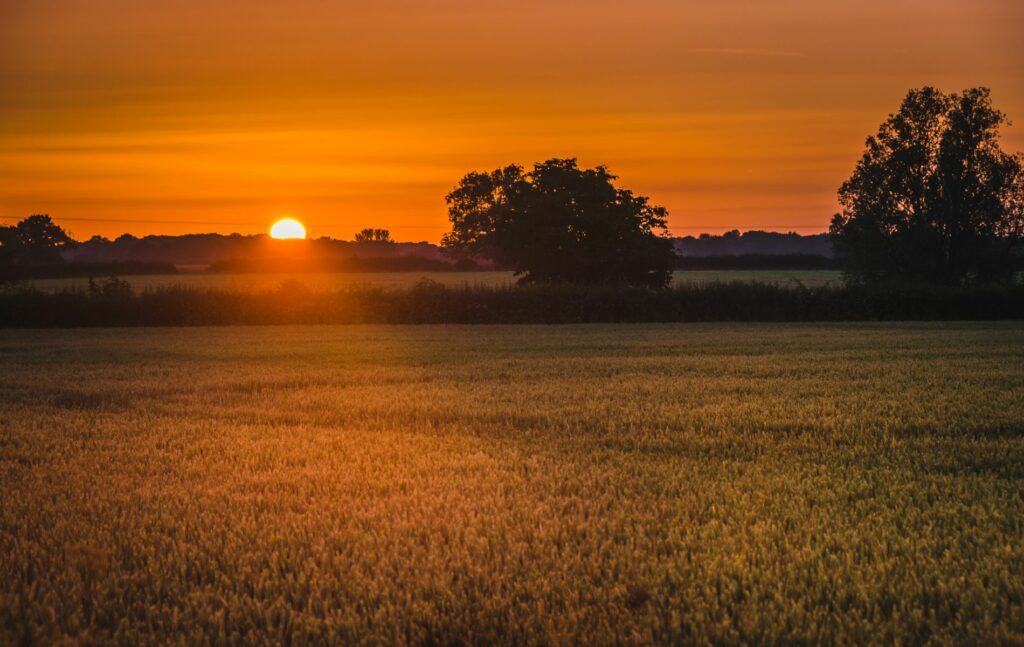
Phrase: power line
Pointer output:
(141, 221)
(192, 222)
(249, 224)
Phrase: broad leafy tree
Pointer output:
(934, 198)
(33, 241)
(560, 223)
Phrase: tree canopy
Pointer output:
(560, 223)
(35, 240)
(934, 198)
(369, 235)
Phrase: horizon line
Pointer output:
(771, 228)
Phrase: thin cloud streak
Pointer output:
(747, 52)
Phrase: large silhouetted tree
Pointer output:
(560, 223)
(934, 198)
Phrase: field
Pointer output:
(515, 485)
(338, 280)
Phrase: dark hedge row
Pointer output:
(114, 304)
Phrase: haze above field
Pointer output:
(172, 118)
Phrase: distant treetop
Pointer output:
(370, 235)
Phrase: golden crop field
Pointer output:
(397, 280)
(695, 484)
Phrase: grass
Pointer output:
(514, 485)
(392, 280)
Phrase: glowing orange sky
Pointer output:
(197, 115)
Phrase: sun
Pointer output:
(287, 228)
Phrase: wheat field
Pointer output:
(694, 484)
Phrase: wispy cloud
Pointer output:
(745, 52)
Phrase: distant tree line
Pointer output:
(128, 254)
(204, 249)
(37, 248)
(763, 243)
(370, 235)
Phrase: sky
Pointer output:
(189, 116)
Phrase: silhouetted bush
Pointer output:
(110, 304)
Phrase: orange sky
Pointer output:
(207, 115)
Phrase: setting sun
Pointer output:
(287, 228)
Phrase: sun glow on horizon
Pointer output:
(287, 228)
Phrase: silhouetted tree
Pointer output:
(369, 235)
(560, 223)
(40, 234)
(934, 198)
(9, 246)
(35, 240)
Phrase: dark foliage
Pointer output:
(112, 303)
(35, 240)
(560, 223)
(765, 243)
(934, 198)
(199, 250)
(369, 235)
(129, 255)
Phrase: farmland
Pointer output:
(397, 280)
(699, 483)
